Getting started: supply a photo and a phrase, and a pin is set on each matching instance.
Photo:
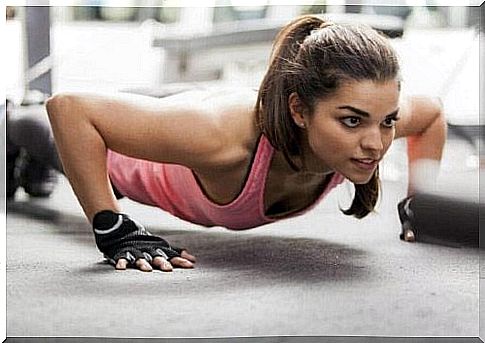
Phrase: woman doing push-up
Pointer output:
(327, 110)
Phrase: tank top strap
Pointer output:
(256, 181)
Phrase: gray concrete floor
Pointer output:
(320, 274)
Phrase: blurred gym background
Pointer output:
(95, 46)
(156, 48)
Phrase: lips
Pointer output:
(365, 163)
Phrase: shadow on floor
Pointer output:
(254, 258)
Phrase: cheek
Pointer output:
(387, 139)
(331, 142)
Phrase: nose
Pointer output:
(372, 140)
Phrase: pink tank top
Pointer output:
(174, 188)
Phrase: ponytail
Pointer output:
(272, 110)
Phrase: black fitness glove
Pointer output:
(441, 220)
(118, 236)
(406, 215)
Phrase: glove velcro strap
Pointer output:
(111, 229)
(127, 230)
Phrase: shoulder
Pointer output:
(229, 114)
(416, 113)
(200, 129)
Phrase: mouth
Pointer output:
(365, 163)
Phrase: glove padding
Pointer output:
(118, 236)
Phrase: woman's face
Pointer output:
(351, 131)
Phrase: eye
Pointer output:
(351, 121)
(390, 122)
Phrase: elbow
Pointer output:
(52, 104)
(430, 122)
(440, 118)
(58, 104)
(438, 109)
(437, 126)
(436, 121)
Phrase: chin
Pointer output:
(359, 179)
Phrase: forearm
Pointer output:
(425, 151)
(82, 151)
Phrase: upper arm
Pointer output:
(416, 114)
(180, 129)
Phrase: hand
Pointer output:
(406, 215)
(124, 242)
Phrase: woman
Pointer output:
(327, 110)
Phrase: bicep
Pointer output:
(416, 114)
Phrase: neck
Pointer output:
(309, 162)
(309, 172)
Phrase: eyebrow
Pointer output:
(364, 113)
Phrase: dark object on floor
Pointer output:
(440, 220)
(35, 178)
(35, 175)
(11, 180)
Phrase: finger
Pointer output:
(181, 262)
(188, 256)
(121, 264)
(409, 236)
(143, 265)
(162, 264)
(148, 257)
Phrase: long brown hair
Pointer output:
(312, 57)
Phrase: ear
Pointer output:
(298, 110)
